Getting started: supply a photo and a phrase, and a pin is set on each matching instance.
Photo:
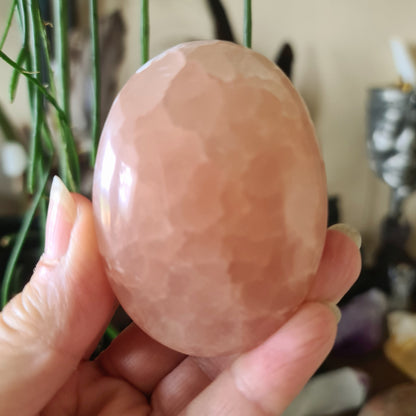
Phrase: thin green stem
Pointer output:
(43, 206)
(21, 237)
(45, 50)
(47, 140)
(69, 161)
(96, 77)
(60, 8)
(111, 332)
(247, 23)
(37, 117)
(22, 9)
(7, 126)
(35, 83)
(26, 12)
(21, 12)
(8, 24)
(43, 212)
(144, 31)
(70, 169)
(21, 59)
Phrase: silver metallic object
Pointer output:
(402, 283)
(391, 141)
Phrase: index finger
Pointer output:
(46, 330)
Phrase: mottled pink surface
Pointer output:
(210, 198)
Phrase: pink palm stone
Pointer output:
(210, 198)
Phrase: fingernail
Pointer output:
(349, 231)
(60, 220)
(335, 310)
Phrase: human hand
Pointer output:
(48, 332)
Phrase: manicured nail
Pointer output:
(335, 310)
(61, 217)
(349, 231)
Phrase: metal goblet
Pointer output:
(391, 142)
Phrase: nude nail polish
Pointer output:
(349, 231)
(60, 220)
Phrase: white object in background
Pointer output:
(329, 393)
(404, 61)
(13, 159)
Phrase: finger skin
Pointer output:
(46, 329)
(266, 379)
(145, 364)
(179, 387)
(138, 359)
(90, 392)
(339, 268)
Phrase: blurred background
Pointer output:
(341, 49)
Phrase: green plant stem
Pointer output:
(111, 332)
(47, 140)
(60, 8)
(21, 59)
(96, 78)
(22, 14)
(24, 55)
(69, 162)
(70, 169)
(6, 125)
(8, 24)
(36, 97)
(21, 237)
(35, 83)
(144, 31)
(26, 13)
(45, 50)
(247, 23)
(42, 212)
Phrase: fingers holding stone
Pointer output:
(340, 264)
(46, 329)
(266, 379)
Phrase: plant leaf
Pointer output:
(21, 237)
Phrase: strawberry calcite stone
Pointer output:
(210, 198)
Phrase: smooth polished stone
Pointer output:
(210, 198)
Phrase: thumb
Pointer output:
(47, 329)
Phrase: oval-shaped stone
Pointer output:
(210, 198)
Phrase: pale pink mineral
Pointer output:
(210, 198)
